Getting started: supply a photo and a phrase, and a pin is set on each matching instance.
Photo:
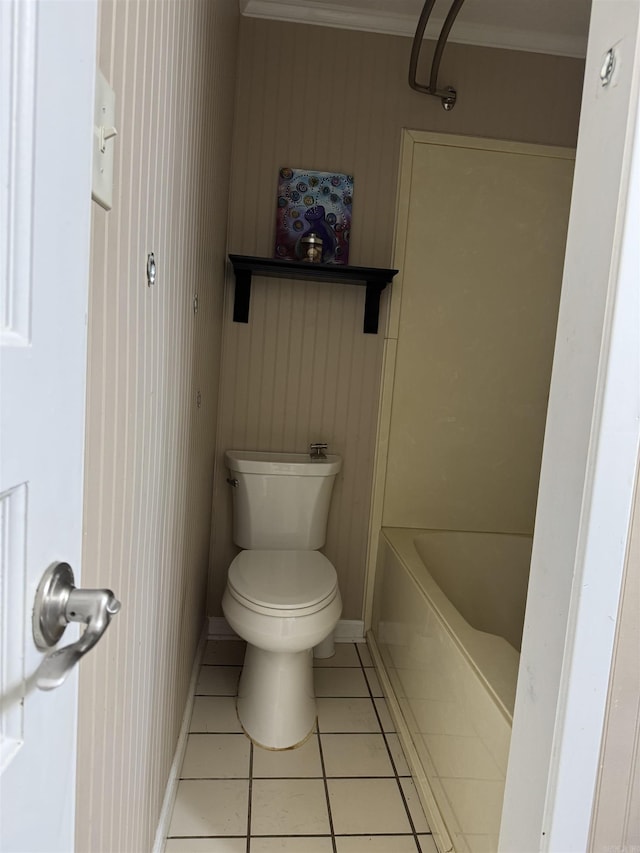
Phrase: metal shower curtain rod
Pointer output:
(448, 95)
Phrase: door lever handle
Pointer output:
(57, 603)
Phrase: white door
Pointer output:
(47, 69)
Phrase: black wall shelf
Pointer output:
(373, 279)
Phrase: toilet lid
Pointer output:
(283, 580)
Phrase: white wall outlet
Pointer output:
(104, 133)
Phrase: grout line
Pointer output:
(272, 778)
(198, 732)
(299, 835)
(215, 778)
(397, 778)
(391, 759)
(401, 790)
(360, 776)
(362, 696)
(359, 656)
(326, 789)
(378, 835)
(249, 796)
(292, 835)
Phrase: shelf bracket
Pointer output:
(372, 307)
(242, 296)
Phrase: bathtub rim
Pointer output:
(493, 660)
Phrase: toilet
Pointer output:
(282, 594)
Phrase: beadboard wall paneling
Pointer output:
(149, 442)
(302, 370)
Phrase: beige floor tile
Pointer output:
(376, 844)
(402, 768)
(427, 844)
(206, 807)
(206, 845)
(288, 844)
(340, 682)
(229, 652)
(415, 807)
(218, 680)
(347, 715)
(373, 681)
(345, 655)
(216, 757)
(360, 806)
(356, 755)
(385, 716)
(289, 807)
(301, 762)
(215, 714)
(364, 654)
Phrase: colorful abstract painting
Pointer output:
(318, 202)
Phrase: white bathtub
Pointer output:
(447, 620)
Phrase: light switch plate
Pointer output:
(104, 140)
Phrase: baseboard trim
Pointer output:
(174, 774)
(347, 630)
(219, 629)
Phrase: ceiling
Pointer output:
(542, 26)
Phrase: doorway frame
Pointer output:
(589, 620)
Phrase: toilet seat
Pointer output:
(282, 583)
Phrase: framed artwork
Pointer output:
(313, 203)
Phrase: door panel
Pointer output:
(46, 111)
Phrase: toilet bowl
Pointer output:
(282, 594)
(282, 620)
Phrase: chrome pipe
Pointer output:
(417, 44)
(442, 41)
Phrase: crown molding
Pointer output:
(392, 23)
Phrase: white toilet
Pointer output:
(282, 595)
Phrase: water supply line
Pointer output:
(447, 96)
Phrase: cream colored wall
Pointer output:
(481, 238)
(302, 370)
(149, 448)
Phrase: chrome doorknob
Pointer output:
(57, 603)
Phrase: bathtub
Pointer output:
(448, 609)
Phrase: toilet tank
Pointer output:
(281, 500)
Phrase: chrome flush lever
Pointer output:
(57, 603)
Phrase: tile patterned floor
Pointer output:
(346, 790)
